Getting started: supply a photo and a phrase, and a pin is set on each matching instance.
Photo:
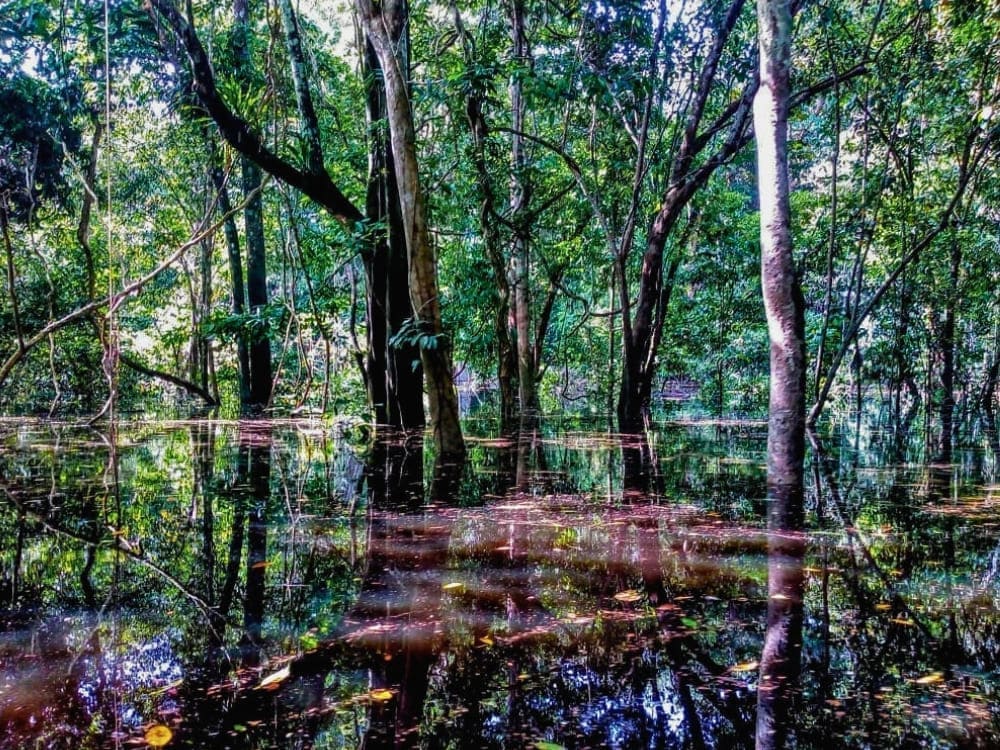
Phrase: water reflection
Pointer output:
(272, 585)
(780, 660)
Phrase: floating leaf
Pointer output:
(272, 681)
(745, 666)
(546, 745)
(486, 640)
(453, 586)
(689, 623)
(903, 621)
(380, 695)
(930, 679)
(158, 735)
(628, 596)
(883, 607)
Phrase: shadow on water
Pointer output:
(271, 585)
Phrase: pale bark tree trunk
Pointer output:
(442, 398)
(784, 307)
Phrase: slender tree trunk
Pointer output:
(238, 298)
(253, 221)
(947, 348)
(784, 307)
(506, 358)
(442, 398)
(520, 199)
(11, 272)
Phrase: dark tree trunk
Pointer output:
(237, 290)
(378, 20)
(642, 328)
(253, 221)
(394, 370)
(946, 342)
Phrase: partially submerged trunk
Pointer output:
(520, 200)
(642, 327)
(784, 307)
(435, 352)
(393, 371)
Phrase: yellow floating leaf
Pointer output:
(930, 679)
(273, 680)
(380, 695)
(628, 596)
(486, 640)
(746, 666)
(903, 621)
(453, 586)
(883, 607)
(158, 735)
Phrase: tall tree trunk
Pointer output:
(784, 307)
(395, 381)
(11, 272)
(520, 199)
(489, 224)
(238, 298)
(642, 328)
(436, 358)
(253, 220)
(946, 343)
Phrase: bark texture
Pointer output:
(784, 307)
(378, 22)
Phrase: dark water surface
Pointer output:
(214, 584)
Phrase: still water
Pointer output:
(214, 584)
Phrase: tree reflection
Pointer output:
(255, 466)
(780, 661)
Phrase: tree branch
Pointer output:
(317, 185)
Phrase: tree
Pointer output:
(315, 181)
(379, 22)
(785, 310)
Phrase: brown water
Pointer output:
(211, 584)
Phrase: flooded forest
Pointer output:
(450, 374)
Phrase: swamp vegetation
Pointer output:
(495, 375)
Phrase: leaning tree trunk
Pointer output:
(642, 326)
(784, 306)
(435, 355)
